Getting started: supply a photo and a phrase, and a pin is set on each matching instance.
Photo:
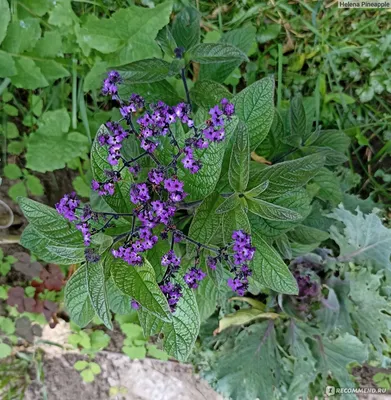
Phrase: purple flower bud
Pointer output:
(193, 277)
(67, 206)
(134, 305)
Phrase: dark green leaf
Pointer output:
(96, 287)
(139, 283)
(186, 28)
(234, 220)
(77, 300)
(228, 204)
(7, 65)
(329, 186)
(255, 107)
(255, 192)
(145, 71)
(166, 41)
(210, 53)
(119, 303)
(297, 121)
(239, 167)
(208, 93)
(5, 17)
(271, 211)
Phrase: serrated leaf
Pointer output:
(229, 204)
(139, 282)
(186, 28)
(210, 53)
(272, 211)
(96, 287)
(285, 176)
(297, 120)
(201, 184)
(119, 303)
(297, 201)
(268, 267)
(239, 166)
(49, 223)
(255, 107)
(235, 219)
(209, 93)
(181, 333)
(145, 71)
(77, 300)
(363, 238)
(205, 222)
(50, 251)
(120, 200)
(255, 192)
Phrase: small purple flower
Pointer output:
(156, 176)
(134, 304)
(171, 260)
(84, 228)
(139, 193)
(110, 84)
(128, 255)
(211, 262)
(173, 293)
(193, 277)
(173, 185)
(67, 206)
(134, 169)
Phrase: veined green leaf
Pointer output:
(235, 219)
(297, 120)
(186, 28)
(5, 17)
(209, 93)
(210, 53)
(181, 333)
(268, 267)
(271, 211)
(255, 107)
(49, 223)
(166, 41)
(77, 300)
(119, 303)
(285, 176)
(96, 287)
(255, 192)
(145, 71)
(139, 283)
(228, 204)
(239, 167)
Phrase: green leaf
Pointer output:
(93, 79)
(210, 53)
(255, 192)
(166, 41)
(258, 345)
(273, 143)
(10, 110)
(34, 185)
(62, 14)
(297, 200)
(206, 295)
(268, 267)
(243, 39)
(38, 7)
(51, 251)
(286, 176)
(234, 220)
(77, 300)
(119, 201)
(15, 147)
(181, 333)
(96, 287)
(80, 365)
(229, 204)
(135, 352)
(11, 130)
(255, 107)
(50, 45)
(186, 28)
(205, 222)
(5, 350)
(201, 184)
(81, 187)
(52, 70)
(52, 138)
(268, 32)
(28, 75)
(271, 211)
(239, 167)
(129, 33)
(140, 284)
(208, 93)
(297, 121)
(12, 171)
(22, 35)
(329, 186)
(304, 234)
(5, 17)
(49, 223)
(87, 376)
(363, 238)
(119, 303)
(145, 71)
(7, 64)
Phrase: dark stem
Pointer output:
(198, 244)
(288, 153)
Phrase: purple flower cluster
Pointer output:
(173, 293)
(215, 131)
(308, 283)
(193, 277)
(136, 103)
(243, 253)
(110, 83)
(114, 141)
(67, 206)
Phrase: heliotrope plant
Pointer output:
(157, 199)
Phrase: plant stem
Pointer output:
(185, 85)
